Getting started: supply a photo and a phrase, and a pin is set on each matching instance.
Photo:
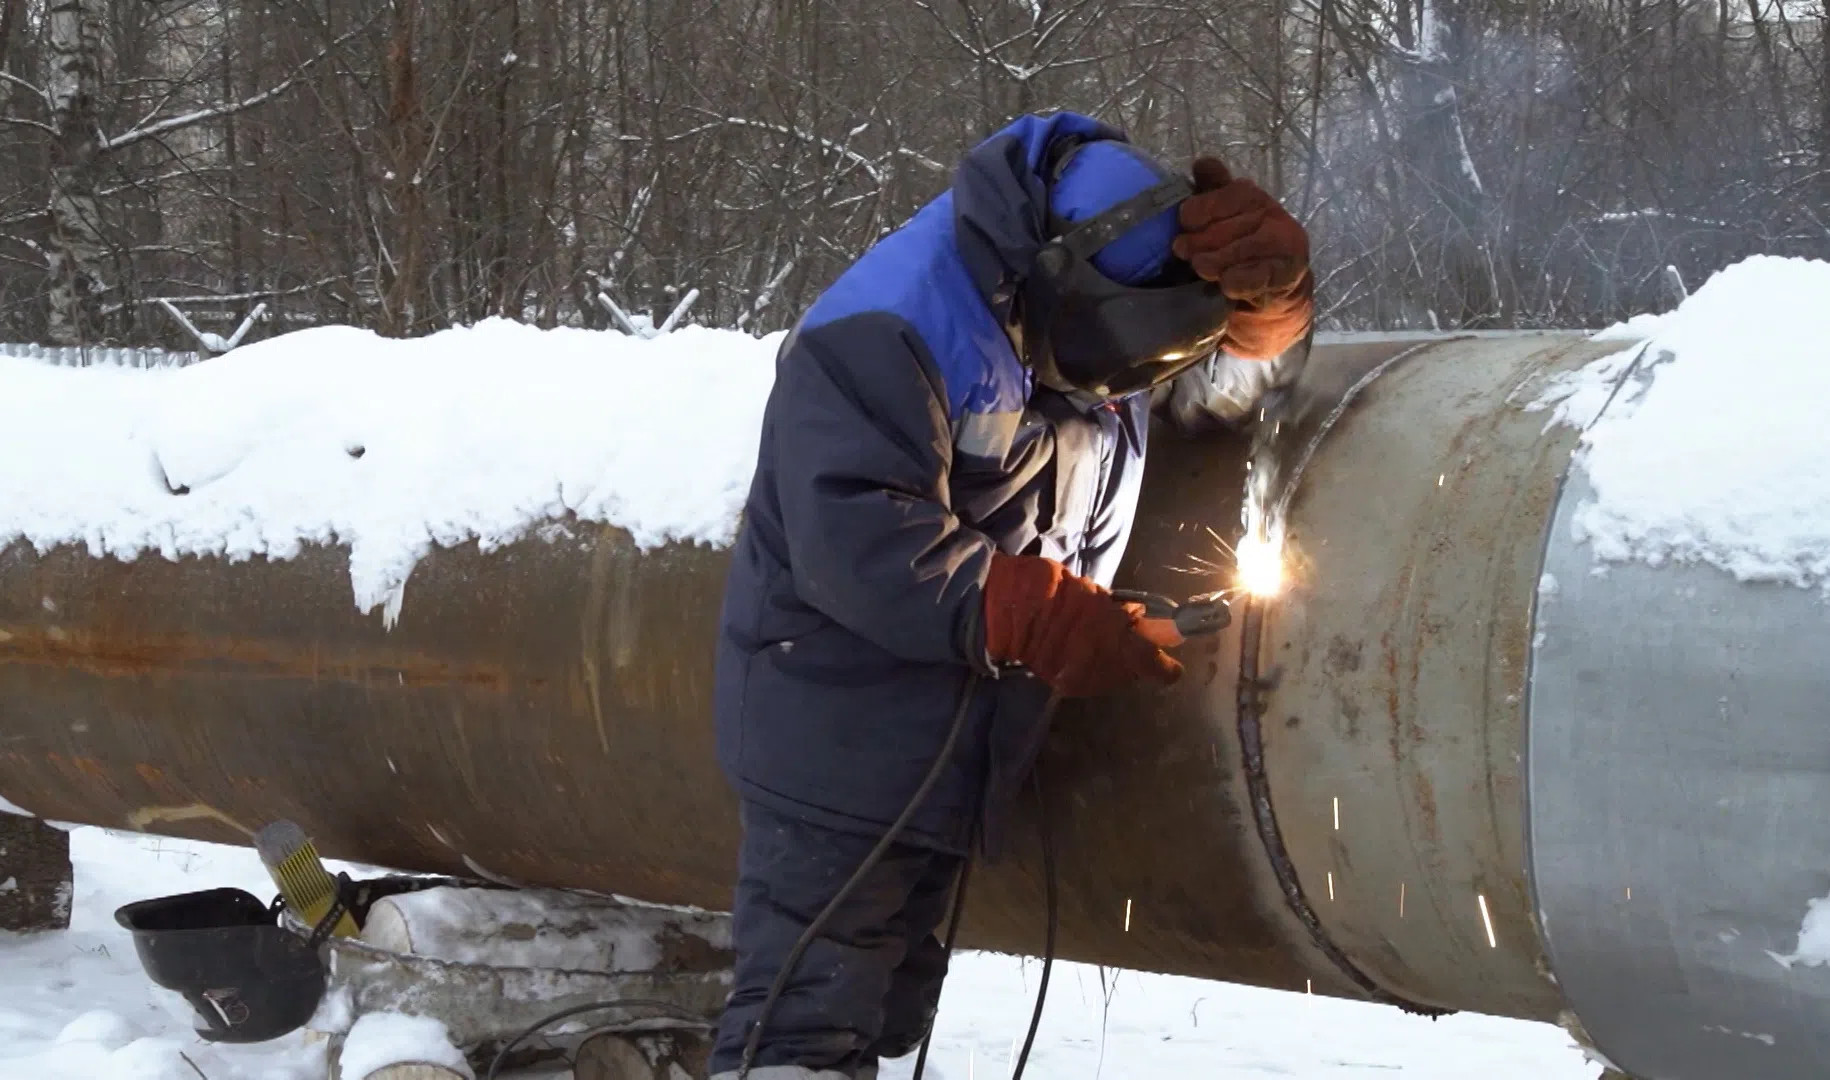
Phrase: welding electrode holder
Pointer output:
(1198, 615)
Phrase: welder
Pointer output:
(949, 465)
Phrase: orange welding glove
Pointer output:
(1235, 234)
(1068, 631)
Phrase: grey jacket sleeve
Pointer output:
(862, 449)
(1104, 547)
(1224, 391)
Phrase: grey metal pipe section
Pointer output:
(1395, 735)
(1679, 761)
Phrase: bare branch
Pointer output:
(36, 125)
(870, 168)
(36, 91)
(258, 294)
(217, 112)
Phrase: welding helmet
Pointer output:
(247, 978)
(1106, 310)
(249, 970)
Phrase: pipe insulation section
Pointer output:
(1679, 774)
(542, 714)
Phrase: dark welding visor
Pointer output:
(1083, 331)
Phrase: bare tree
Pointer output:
(410, 165)
(75, 245)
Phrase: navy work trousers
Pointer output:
(867, 988)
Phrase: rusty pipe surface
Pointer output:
(542, 713)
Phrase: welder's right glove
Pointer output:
(1068, 631)
(1237, 235)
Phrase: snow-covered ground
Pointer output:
(74, 1005)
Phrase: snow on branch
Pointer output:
(767, 294)
(1614, 217)
(871, 168)
(230, 108)
(37, 91)
(258, 294)
(105, 193)
(36, 125)
(922, 159)
(631, 229)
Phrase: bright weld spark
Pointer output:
(1331, 884)
(1308, 986)
(1401, 899)
(1260, 566)
(1218, 539)
(1259, 557)
(1337, 813)
(1127, 914)
(1440, 477)
(1487, 919)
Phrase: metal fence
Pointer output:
(88, 356)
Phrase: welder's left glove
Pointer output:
(1235, 234)
(1071, 632)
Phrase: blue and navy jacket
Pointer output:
(902, 444)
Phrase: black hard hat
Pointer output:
(1085, 330)
(249, 978)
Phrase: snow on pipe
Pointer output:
(533, 717)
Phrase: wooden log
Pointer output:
(490, 962)
(412, 1071)
(651, 1055)
(396, 1047)
(35, 875)
(552, 929)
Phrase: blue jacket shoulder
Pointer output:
(916, 275)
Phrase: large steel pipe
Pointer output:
(542, 713)
(1679, 776)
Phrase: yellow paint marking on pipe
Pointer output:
(146, 815)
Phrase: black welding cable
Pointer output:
(669, 1007)
(1049, 885)
(884, 843)
(959, 907)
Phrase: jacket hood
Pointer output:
(1000, 202)
(1101, 175)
